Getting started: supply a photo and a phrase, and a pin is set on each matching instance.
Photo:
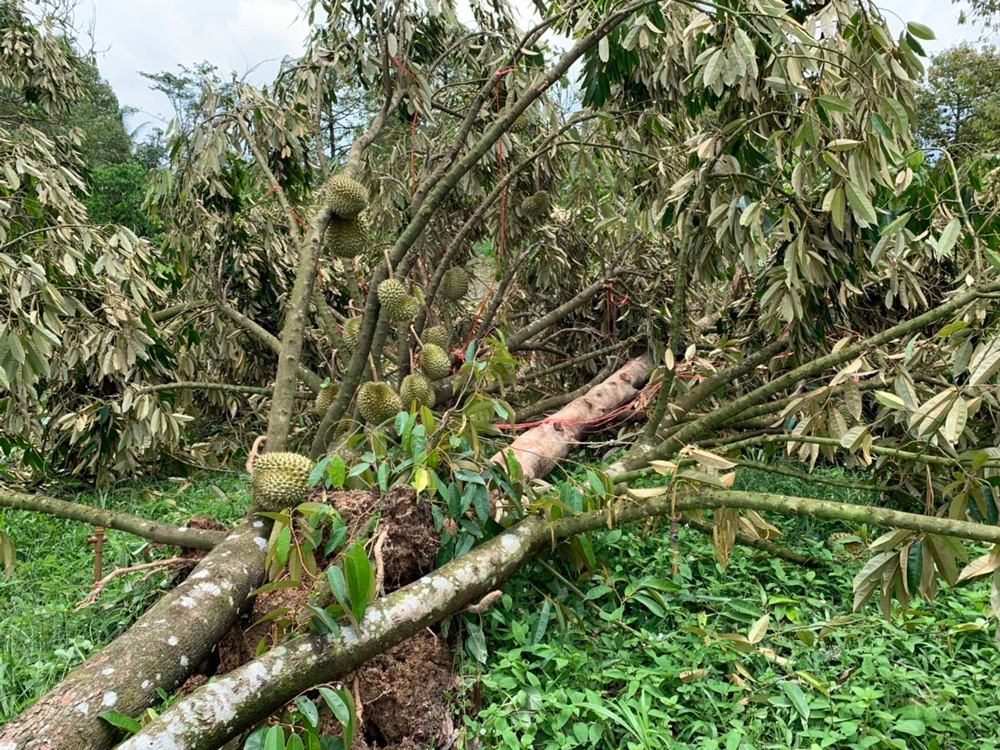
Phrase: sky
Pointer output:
(253, 35)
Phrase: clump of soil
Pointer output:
(403, 694)
(407, 545)
(411, 541)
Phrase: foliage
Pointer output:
(42, 636)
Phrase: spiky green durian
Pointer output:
(536, 205)
(408, 310)
(279, 480)
(378, 402)
(345, 197)
(325, 397)
(352, 327)
(392, 296)
(455, 283)
(417, 388)
(346, 238)
(437, 335)
(435, 362)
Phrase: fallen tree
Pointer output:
(798, 361)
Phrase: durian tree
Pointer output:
(732, 199)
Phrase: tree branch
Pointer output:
(164, 533)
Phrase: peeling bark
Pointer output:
(539, 449)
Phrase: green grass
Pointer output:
(41, 637)
(565, 674)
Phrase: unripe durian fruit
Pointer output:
(842, 549)
(455, 283)
(408, 310)
(437, 335)
(378, 403)
(345, 197)
(279, 480)
(346, 238)
(435, 362)
(392, 296)
(352, 327)
(417, 388)
(536, 205)
(325, 397)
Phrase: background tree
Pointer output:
(959, 109)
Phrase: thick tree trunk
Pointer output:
(539, 449)
(161, 650)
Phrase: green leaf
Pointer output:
(317, 471)
(543, 622)
(308, 710)
(337, 471)
(863, 209)
(120, 720)
(295, 743)
(341, 704)
(833, 103)
(797, 697)
(282, 545)
(335, 577)
(912, 727)
(357, 571)
(949, 237)
(475, 643)
(920, 31)
(275, 739)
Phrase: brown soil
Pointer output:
(404, 694)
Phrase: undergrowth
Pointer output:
(644, 660)
(641, 660)
(41, 636)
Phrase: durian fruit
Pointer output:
(437, 335)
(455, 283)
(346, 238)
(279, 480)
(842, 549)
(408, 310)
(378, 403)
(392, 296)
(345, 197)
(536, 205)
(435, 362)
(417, 388)
(325, 397)
(352, 327)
